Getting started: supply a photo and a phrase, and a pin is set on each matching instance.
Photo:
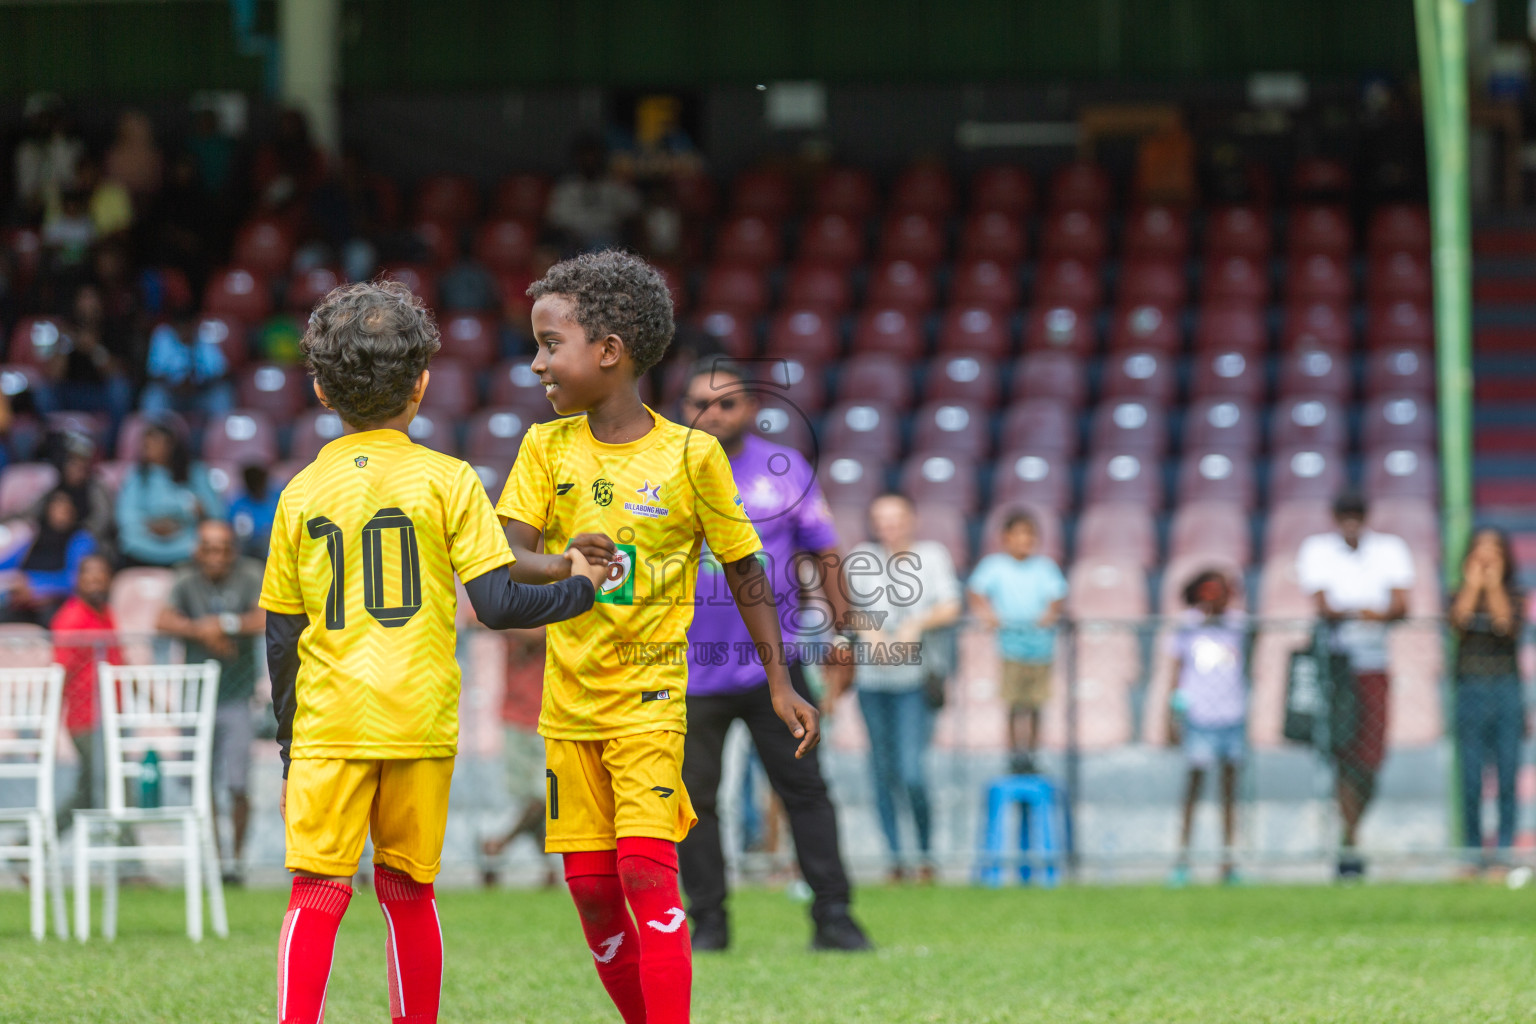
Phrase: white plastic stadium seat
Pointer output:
(30, 699)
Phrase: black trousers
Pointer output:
(797, 782)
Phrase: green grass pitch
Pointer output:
(1432, 954)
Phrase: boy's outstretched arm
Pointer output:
(534, 566)
(283, 632)
(502, 603)
(753, 593)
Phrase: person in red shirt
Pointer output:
(83, 634)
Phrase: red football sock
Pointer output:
(414, 948)
(594, 882)
(648, 872)
(304, 948)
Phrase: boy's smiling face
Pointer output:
(576, 372)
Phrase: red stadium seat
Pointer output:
(1141, 373)
(1003, 188)
(805, 333)
(23, 484)
(264, 246)
(238, 293)
(870, 428)
(817, 286)
(766, 192)
(876, 377)
(1069, 282)
(1152, 280)
(1216, 476)
(976, 330)
(992, 235)
(1292, 522)
(749, 240)
(513, 383)
(923, 188)
(243, 436)
(1117, 533)
(471, 337)
(1157, 232)
(737, 288)
(1075, 234)
(1129, 425)
(1398, 420)
(1042, 424)
(495, 435)
(1403, 471)
(848, 191)
(1318, 277)
(835, 239)
(228, 335)
(505, 244)
(785, 424)
(1222, 424)
(1398, 275)
(453, 198)
(1025, 476)
(36, 340)
(901, 284)
(732, 330)
(418, 277)
(941, 478)
(1320, 228)
(851, 480)
(1228, 374)
(1146, 326)
(306, 288)
(963, 377)
(1060, 328)
(1108, 658)
(451, 389)
(1123, 478)
(278, 390)
(1236, 278)
(440, 240)
(897, 332)
(1401, 227)
(1317, 371)
(1401, 324)
(522, 197)
(1311, 421)
(1305, 474)
(1232, 327)
(952, 428)
(26, 249)
(676, 285)
(986, 283)
(914, 237)
(1400, 370)
(1058, 375)
(1210, 530)
(435, 429)
(942, 523)
(696, 193)
(1323, 325)
(1080, 186)
(800, 380)
(1238, 231)
(313, 430)
(1320, 176)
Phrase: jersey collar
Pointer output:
(639, 444)
(385, 436)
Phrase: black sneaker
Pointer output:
(1351, 868)
(839, 931)
(711, 933)
(1021, 763)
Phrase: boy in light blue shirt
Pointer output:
(1018, 594)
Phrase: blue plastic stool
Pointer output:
(1040, 829)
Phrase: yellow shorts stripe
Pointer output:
(334, 804)
(598, 791)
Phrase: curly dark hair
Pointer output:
(614, 292)
(366, 344)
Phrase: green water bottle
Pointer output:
(149, 780)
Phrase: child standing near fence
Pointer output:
(1210, 706)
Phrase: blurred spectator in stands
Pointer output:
(1017, 593)
(88, 370)
(468, 287)
(187, 372)
(252, 513)
(84, 633)
(68, 232)
(350, 211)
(522, 750)
(590, 207)
(1210, 706)
(289, 166)
(661, 222)
(901, 587)
(73, 454)
(212, 610)
(134, 157)
(212, 153)
(45, 571)
(184, 228)
(46, 157)
(109, 203)
(6, 419)
(162, 500)
(1359, 581)
(1487, 614)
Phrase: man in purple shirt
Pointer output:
(726, 680)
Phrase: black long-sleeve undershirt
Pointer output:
(499, 603)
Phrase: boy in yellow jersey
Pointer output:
(360, 643)
(630, 489)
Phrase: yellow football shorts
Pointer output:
(597, 791)
(334, 804)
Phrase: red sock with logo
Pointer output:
(305, 947)
(414, 947)
(593, 879)
(648, 872)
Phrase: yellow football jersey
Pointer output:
(623, 668)
(366, 542)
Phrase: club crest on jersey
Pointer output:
(651, 506)
(360, 461)
(602, 491)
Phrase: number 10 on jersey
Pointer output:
(385, 520)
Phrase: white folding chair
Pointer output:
(168, 709)
(29, 741)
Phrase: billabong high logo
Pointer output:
(650, 504)
(360, 461)
(602, 491)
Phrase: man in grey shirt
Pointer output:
(213, 610)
